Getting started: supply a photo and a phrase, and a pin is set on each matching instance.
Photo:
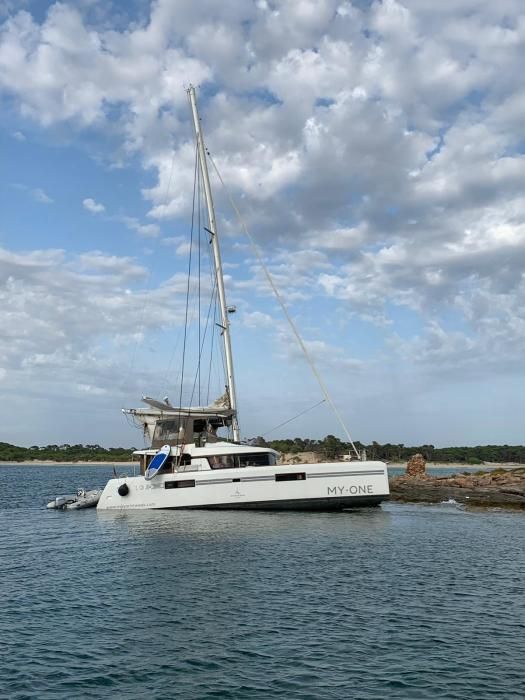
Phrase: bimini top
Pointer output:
(219, 407)
(166, 424)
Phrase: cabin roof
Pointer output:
(216, 448)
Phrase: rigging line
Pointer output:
(216, 324)
(285, 311)
(214, 303)
(199, 238)
(294, 418)
(166, 381)
(211, 351)
(175, 383)
(201, 348)
(223, 357)
(188, 285)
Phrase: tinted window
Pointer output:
(222, 461)
(179, 484)
(257, 459)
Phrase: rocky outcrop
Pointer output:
(501, 487)
(416, 465)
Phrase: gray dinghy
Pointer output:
(82, 499)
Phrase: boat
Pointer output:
(83, 498)
(190, 465)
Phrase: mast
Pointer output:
(225, 323)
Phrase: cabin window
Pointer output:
(166, 432)
(222, 461)
(296, 476)
(168, 429)
(256, 459)
(179, 484)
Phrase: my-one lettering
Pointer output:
(353, 490)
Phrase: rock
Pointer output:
(514, 490)
(416, 465)
(505, 490)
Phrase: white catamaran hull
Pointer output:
(326, 486)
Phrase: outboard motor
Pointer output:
(60, 502)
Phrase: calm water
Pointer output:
(398, 602)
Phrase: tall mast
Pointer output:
(225, 323)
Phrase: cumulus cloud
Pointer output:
(59, 310)
(92, 206)
(376, 147)
(257, 319)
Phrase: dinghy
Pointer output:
(82, 499)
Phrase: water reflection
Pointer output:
(228, 524)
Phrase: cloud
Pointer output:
(257, 319)
(18, 136)
(40, 196)
(8, 7)
(88, 332)
(65, 70)
(47, 327)
(183, 249)
(92, 206)
(146, 230)
(374, 148)
(132, 223)
(171, 240)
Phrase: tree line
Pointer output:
(330, 447)
(65, 453)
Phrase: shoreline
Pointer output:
(53, 463)
(487, 466)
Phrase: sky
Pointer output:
(376, 151)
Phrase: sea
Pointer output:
(401, 601)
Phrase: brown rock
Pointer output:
(416, 465)
(474, 490)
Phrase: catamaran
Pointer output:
(189, 464)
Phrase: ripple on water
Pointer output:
(399, 602)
